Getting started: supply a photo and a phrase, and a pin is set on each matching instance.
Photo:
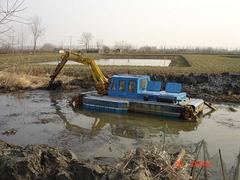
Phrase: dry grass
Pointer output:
(28, 76)
(15, 81)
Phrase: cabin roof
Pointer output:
(130, 76)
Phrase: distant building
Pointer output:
(61, 51)
(118, 50)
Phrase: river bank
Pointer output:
(222, 87)
(46, 162)
(219, 87)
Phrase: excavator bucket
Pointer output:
(53, 85)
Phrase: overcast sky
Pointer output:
(159, 23)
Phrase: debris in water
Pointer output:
(153, 163)
(44, 120)
(53, 85)
(10, 132)
(232, 109)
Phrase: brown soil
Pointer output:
(48, 163)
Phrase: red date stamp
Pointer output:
(198, 164)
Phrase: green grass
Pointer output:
(181, 64)
(9, 60)
(213, 64)
(27, 58)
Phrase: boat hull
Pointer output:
(123, 105)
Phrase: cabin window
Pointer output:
(143, 84)
(132, 87)
(122, 85)
(113, 88)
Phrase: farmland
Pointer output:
(181, 64)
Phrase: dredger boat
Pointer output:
(125, 93)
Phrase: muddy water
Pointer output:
(45, 117)
(125, 62)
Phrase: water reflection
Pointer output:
(77, 130)
(131, 125)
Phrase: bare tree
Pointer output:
(127, 47)
(85, 39)
(23, 39)
(123, 46)
(37, 31)
(118, 45)
(99, 44)
(9, 12)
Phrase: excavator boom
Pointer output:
(101, 82)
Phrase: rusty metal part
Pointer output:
(210, 106)
(76, 101)
(188, 114)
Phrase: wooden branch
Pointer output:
(8, 13)
(4, 31)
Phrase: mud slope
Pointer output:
(223, 87)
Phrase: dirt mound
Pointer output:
(45, 162)
(221, 87)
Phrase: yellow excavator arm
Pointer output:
(101, 82)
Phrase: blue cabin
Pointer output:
(140, 87)
(127, 86)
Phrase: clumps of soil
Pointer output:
(55, 85)
(45, 162)
(220, 87)
(44, 120)
(232, 109)
(83, 83)
(10, 132)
